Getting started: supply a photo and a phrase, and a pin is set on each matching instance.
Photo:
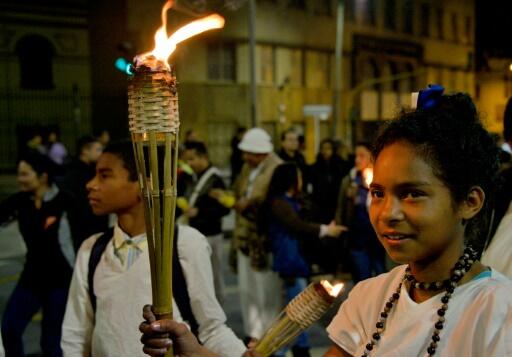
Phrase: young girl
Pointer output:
(434, 174)
(44, 214)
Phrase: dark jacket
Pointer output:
(325, 178)
(46, 232)
(288, 235)
(210, 211)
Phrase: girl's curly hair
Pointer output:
(451, 138)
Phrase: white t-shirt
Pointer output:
(478, 319)
(122, 292)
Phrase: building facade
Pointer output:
(44, 73)
(390, 48)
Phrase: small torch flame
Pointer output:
(332, 290)
(368, 176)
(165, 46)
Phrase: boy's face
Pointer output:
(198, 163)
(111, 190)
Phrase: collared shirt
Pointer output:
(127, 249)
(122, 292)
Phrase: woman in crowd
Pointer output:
(43, 213)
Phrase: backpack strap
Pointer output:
(179, 288)
(96, 252)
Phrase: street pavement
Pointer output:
(12, 252)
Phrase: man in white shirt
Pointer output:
(121, 280)
(259, 285)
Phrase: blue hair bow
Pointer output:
(429, 97)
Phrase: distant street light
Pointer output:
(510, 67)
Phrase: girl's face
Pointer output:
(28, 179)
(412, 211)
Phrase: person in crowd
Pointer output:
(191, 136)
(204, 212)
(236, 160)
(56, 150)
(326, 175)
(366, 253)
(35, 144)
(103, 136)
(289, 236)
(45, 215)
(435, 169)
(255, 276)
(498, 252)
(80, 171)
(290, 152)
(100, 319)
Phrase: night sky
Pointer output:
(494, 28)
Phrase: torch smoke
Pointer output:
(153, 101)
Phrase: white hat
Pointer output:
(256, 141)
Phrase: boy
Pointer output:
(121, 281)
(205, 212)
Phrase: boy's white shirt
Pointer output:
(478, 319)
(121, 294)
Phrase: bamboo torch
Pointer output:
(154, 126)
(305, 309)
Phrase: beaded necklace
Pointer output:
(460, 268)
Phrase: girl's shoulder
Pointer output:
(488, 291)
(369, 294)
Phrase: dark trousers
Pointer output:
(23, 304)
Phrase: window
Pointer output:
(322, 7)
(440, 23)
(366, 9)
(350, 11)
(425, 19)
(266, 54)
(35, 54)
(390, 12)
(469, 29)
(408, 16)
(455, 28)
(298, 4)
(289, 69)
(317, 69)
(221, 62)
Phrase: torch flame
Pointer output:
(165, 46)
(332, 290)
(368, 176)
